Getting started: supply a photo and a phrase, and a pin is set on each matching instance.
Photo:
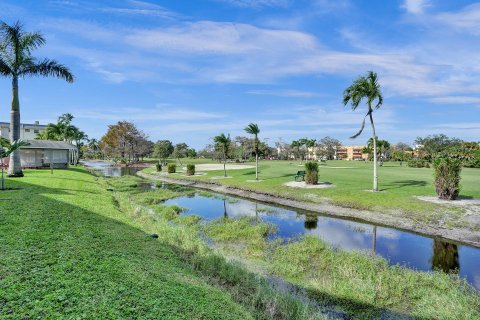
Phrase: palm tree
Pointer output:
(366, 87)
(224, 141)
(252, 128)
(6, 149)
(16, 61)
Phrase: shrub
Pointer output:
(418, 163)
(172, 168)
(190, 169)
(311, 169)
(159, 167)
(447, 178)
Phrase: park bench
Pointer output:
(300, 175)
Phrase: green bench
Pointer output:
(300, 176)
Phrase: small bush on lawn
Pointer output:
(311, 169)
(159, 167)
(190, 169)
(172, 168)
(447, 178)
(418, 163)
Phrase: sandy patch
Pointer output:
(253, 180)
(219, 166)
(302, 184)
(459, 202)
(219, 178)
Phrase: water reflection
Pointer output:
(398, 247)
(106, 168)
(445, 256)
(311, 222)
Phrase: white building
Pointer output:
(27, 131)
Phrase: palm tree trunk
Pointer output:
(375, 167)
(256, 166)
(224, 162)
(15, 166)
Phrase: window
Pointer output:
(36, 131)
(27, 130)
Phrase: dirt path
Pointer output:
(463, 235)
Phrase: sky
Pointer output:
(187, 70)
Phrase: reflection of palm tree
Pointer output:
(310, 222)
(445, 256)
(256, 212)
(225, 215)
(374, 240)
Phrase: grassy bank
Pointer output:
(364, 287)
(78, 246)
(352, 180)
(69, 250)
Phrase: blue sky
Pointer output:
(189, 70)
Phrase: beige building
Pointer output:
(351, 153)
(27, 131)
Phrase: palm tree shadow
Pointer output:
(405, 183)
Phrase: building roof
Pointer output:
(33, 125)
(49, 144)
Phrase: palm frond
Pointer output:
(31, 41)
(252, 128)
(360, 131)
(5, 69)
(47, 68)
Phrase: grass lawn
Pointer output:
(352, 180)
(68, 252)
(77, 246)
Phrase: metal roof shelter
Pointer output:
(48, 153)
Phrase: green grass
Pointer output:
(77, 246)
(66, 254)
(398, 185)
(357, 281)
(74, 246)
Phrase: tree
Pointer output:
(163, 149)
(6, 149)
(191, 153)
(327, 147)
(431, 146)
(223, 142)
(180, 151)
(16, 61)
(366, 87)
(123, 140)
(383, 149)
(252, 128)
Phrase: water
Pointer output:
(398, 247)
(106, 168)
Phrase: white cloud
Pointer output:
(455, 100)
(467, 19)
(284, 93)
(416, 6)
(257, 3)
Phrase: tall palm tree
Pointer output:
(366, 87)
(6, 149)
(252, 128)
(16, 61)
(223, 141)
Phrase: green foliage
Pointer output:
(162, 149)
(418, 163)
(447, 177)
(370, 289)
(68, 252)
(311, 168)
(158, 166)
(190, 169)
(171, 168)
